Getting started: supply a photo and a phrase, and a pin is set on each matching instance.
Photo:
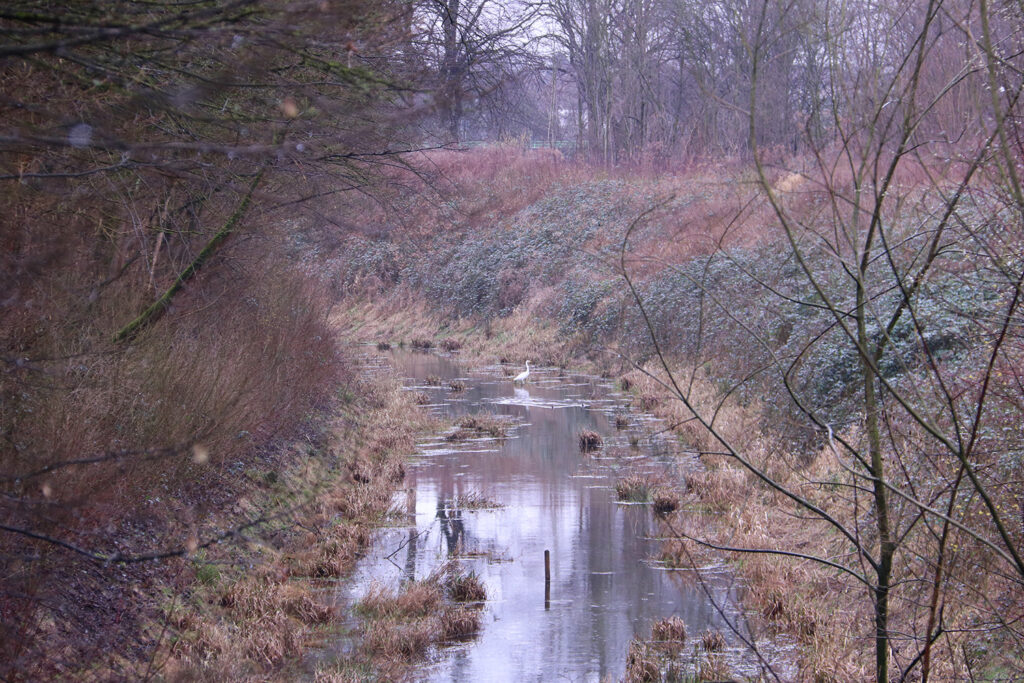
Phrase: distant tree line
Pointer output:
(662, 80)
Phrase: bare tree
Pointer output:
(157, 163)
(886, 352)
(475, 47)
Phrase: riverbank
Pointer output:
(715, 502)
(848, 492)
(725, 507)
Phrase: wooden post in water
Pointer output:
(547, 579)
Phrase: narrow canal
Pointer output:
(606, 585)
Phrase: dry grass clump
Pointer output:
(722, 489)
(403, 624)
(269, 619)
(634, 488)
(399, 640)
(459, 623)
(621, 422)
(714, 667)
(465, 587)
(457, 386)
(383, 346)
(776, 609)
(433, 380)
(416, 599)
(665, 501)
(669, 633)
(487, 423)
(251, 598)
(648, 402)
(421, 343)
(712, 640)
(333, 554)
(451, 345)
(642, 664)
(422, 398)
(589, 440)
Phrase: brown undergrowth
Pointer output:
(824, 610)
(236, 622)
(148, 449)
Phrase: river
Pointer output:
(605, 587)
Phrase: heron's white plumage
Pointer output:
(521, 377)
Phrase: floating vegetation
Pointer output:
(633, 488)
(474, 500)
(433, 380)
(665, 502)
(421, 343)
(479, 424)
(460, 435)
(457, 385)
(487, 423)
(621, 421)
(589, 440)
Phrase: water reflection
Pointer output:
(602, 590)
(452, 528)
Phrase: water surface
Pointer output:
(605, 589)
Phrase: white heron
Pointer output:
(521, 377)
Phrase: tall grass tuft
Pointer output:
(589, 440)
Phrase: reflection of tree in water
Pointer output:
(451, 527)
(410, 554)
